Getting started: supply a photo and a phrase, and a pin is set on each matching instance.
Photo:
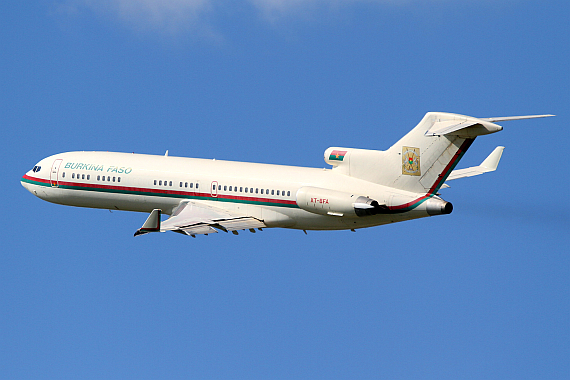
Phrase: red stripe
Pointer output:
(409, 204)
(445, 173)
(440, 179)
(159, 191)
(36, 179)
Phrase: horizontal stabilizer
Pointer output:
(488, 165)
(494, 119)
(152, 223)
(470, 127)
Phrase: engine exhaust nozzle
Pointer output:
(437, 206)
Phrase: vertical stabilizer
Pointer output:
(421, 160)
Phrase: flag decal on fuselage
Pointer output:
(337, 155)
(411, 161)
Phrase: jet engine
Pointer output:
(437, 206)
(337, 203)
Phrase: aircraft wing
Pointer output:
(196, 217)
(488, 165)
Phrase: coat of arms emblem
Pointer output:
(411, 161)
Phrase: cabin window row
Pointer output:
(88, 177)
(158, 182)
(241, 189)
(188, 185)
(256, 190)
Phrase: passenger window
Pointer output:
(272, 192)
(63, 175)
(277, 192)
(72, 175)
(241, 189)
(118, 179)
(256, 190)
(108, 178)
(113, 179)
(180, 184)
(185, 184)
(191, 185)
(230, 188)
(196, 185)
(103, 178)
(159, 183)
(170, 184)
(289, 193)
(246, 189)
(219, 187)
(82, 176)
(261, 191)
(225, 187)
(88, 176)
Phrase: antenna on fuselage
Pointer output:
(166, 154)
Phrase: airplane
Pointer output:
(364, 188)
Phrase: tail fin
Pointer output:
(421, 160)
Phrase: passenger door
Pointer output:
(54, 173)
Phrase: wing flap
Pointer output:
(198, 229)
(241, 224)
(197, 218)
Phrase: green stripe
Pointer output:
(182, 196)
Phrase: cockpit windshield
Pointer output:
(36, 169)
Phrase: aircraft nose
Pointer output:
(25, 183)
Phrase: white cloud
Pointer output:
(285, 6)
(165, 15)
(173, 16)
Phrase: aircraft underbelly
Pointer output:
(111, 201)
(272, 216)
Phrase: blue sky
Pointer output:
(481, 293)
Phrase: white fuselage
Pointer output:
(137, 182)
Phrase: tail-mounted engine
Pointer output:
(337, 203)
